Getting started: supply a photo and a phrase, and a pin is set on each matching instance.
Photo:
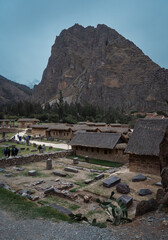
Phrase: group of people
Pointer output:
(13, 152)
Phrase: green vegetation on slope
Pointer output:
(22, 207)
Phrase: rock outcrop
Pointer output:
(99, 66)
(12, 92)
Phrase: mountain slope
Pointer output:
(99, 66)
(12, 92)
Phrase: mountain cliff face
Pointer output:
(12, 92)
(99, 66)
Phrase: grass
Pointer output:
(20, 206)
(92, 175)
(99, 162)
(25, 151)
(61, 202)
(74, 189)
(92, 212)
(8, 135)
(25, 174)
(80, 183)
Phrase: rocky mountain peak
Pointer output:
(99, 66)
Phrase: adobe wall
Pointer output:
(144, 164)
(60, 134)
(114, 155)
(29, 158)
(36, 132)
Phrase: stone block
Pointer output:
(159, 184)
(24, 191)
(18, 169)
(122, 188)
(144, 192)
(126, 200)
(49, 164)
(110, 182)
(70, 169)
(61, 209)
(139, 178)
(32, 173)
(100, 176)
(75, 160)
(8, 174)
(50, 190)
(87, 181)
(61, 174)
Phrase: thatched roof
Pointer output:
(7, 120)
(96, 140)
(39, 126)
(28, 120)
(96, 124)
(113, 129)
(59, 127)
(147, 136)
(78, 127)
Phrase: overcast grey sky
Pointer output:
(28, 29)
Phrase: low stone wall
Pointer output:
(144, 164)
(29, 158)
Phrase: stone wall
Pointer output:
(164, 152)
(115, 155)
(144, 164)
(29, 158)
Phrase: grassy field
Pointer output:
(7, 135)
(25, 151)
(22, 207)
(98, 162)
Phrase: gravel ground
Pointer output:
(150, 227)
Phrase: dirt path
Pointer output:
(153, 226)
(54, 145)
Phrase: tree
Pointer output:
(60, 106)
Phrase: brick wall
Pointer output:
(144, 164)
(21, 160)
(114, 155)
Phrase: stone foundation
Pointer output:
(144, 164)
(29, 158)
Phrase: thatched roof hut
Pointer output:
(96, 140)
(147, 137)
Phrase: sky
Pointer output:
(28, 29)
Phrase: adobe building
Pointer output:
(60, 131)
(40, 130)
(27, 122)
(104, 146)
(7, 122)
(148, 146)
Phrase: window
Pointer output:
(98, 150)
(105, 151)
(81, 148)
(92, 149)
(86, 149)
(76, 147)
